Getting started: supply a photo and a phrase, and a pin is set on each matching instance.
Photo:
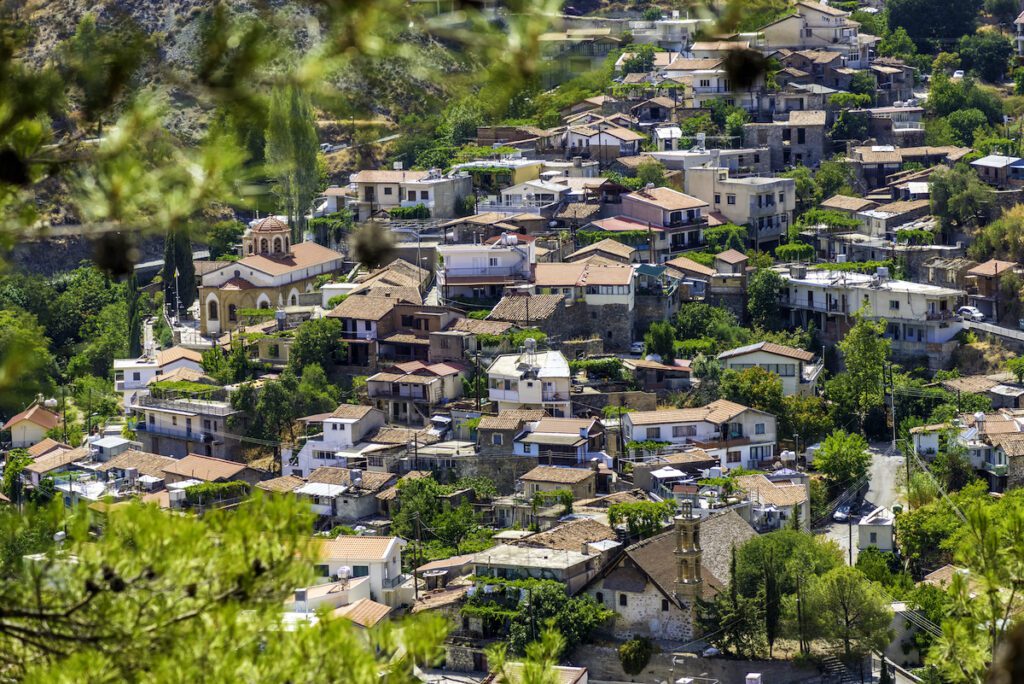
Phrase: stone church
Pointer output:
(271, 273)
(653, 586)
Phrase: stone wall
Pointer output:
(582, 348)
(603, 664)
(643, 615)
(650, 308)
(595, 401)
(502, 470)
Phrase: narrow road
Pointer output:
(883, 490)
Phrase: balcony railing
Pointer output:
(175, 432)
(486, 271)
(358, 334)
(503, 395)
(392, 582)
(554, 396)
(401, 396)
(206, 408)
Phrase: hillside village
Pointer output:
(708, 363)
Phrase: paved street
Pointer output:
(882, 491)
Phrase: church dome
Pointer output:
(271, 224)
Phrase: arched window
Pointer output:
(250, 248)
(286, 247)
(238, 274)
(263, 245)
(232, 312)
(264, 304)
(277, 244)
(599, 597)
(211, 307)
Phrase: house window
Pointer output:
(718, 198)
(654, 433)
(174, 420)
(136, 376)
(232, 312)
(424, 195)
(730, 199)
(492, 261)
(874, 537)
(684, 430)
(732, 457)
(206, 424)
(894, 305)
(801, 136)
(152, 419)
(387, 191)
(759, 429)
(664, 605)
(623, 601)
(360, 570)
(412, 195)
(497, 440)
(599, 597)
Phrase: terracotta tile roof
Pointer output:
(568, 426)
(350, 547)
(143, 461)
(882, 155)
(1012, 445)
(166, 356)
(609, 246)
(281, 485)
(476, 326)
(732, 256)
(388, 176)
(270, 224)
(405, 338)
(632, 496)
(690, 64)
(509, 420)
(558, 475)
(351, 411)
(992, 267)
(372, 480)
(993, 424)
(364, 308)
(719, 535)
(667, 199)
(684, 264)
(973, 384)
(303, 255)
(37, 415)
(46, 446)
(403, 294)
(716, 412)
(570, 536)
(624, 223)
(769, 348)
(402, 436)
(623, 134)
(582, 273)
(205, 468)
(807, 117)
(57, 458)
(364, 612)
(903, 206)
(847, 203)
(237, 283)
(760, 488)
(523, 308)
(824, 9)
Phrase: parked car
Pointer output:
(842, 513)
(636, 348)
(971, 313)
(959, 73)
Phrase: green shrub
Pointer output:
(635, 654)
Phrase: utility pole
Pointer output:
(419, 557)
(849, 528)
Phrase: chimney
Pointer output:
(584, 548)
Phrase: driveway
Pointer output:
(883, 490)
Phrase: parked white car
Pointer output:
(636, 348)
(971, 313)
(842, 513)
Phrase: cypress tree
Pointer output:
(134, 318)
